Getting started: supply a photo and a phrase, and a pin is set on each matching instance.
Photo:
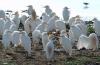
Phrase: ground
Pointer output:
(18, 57)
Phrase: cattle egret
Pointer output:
(66, 43)
(90, 42)
(48, 11)
(45, 40)
(50, 49)
(6, 38)
(66, 14)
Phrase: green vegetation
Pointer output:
(7, 63)
(90, 29)
(77, 61)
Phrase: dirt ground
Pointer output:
(18, 57)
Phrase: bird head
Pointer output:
(66, 7)
(92, 35)
(29, 6)
(24, 11)
(77, 16)
(47, 6)
(94, 41)
(56, 17)
(16, 13)
(34, 15)
(95, 19)
(63, 33)
(2, 14)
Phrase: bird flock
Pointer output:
(47, 30)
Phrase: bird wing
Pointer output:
(83, 42)
(15, 37)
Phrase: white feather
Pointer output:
(45, 17)
(30, 10)
(7, 24)
(48, 11)
(13, 27)
(83, 42)
(82, 27)
(31, 24)
(16, 20)
(2, 14)
(36, 36)
(23, 18)
(93, 41)
(90, 42)
(50, 50)
(74, 33)
(42, 27)
(96, 25)
(51, 24)
(60, 25)
(6, 38)
(44, 40)
(66, 43)
(15, 37)
(26, 42)
(71, 21)
(66, 14)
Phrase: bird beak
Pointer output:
(24, 10)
